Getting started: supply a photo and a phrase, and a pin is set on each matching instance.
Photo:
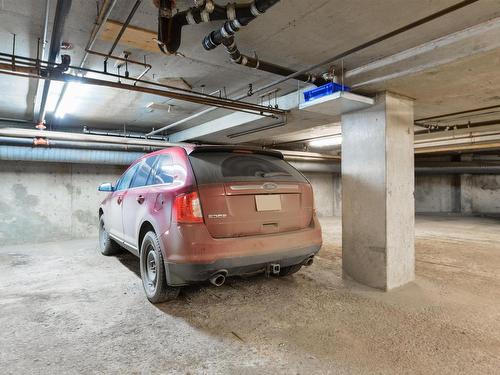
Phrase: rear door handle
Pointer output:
(120, 199)
(140, 199)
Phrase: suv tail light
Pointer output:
(187, 208)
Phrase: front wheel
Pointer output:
(106, 245)
(153, 275)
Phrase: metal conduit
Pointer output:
(34, 142)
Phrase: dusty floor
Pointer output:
(64, 308)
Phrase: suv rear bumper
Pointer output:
(182, 274)
(192, 255)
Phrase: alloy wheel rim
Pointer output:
(151, 269)
(102, 235)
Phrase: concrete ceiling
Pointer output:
(294, 33)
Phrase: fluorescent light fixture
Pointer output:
(325, 142)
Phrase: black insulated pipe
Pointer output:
(170, 27)
(231, 27)
(255, 63)
(62, 10)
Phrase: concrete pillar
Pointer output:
(466, 188)
(378, 209)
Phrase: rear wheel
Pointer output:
(106, 245)
(286, 271)
(153, 275)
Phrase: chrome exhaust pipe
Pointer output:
(309, 261)
(218, 279)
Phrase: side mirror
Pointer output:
(106, 187)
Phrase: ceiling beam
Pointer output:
(448, 49)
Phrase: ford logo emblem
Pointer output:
(269, 186)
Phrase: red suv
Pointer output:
(199, 213)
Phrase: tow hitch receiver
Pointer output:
(273, 269)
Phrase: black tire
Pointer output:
(287, 271)
(153, 275)
(106, 245)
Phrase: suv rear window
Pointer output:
(211, 167)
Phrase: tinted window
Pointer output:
(143, 172)
(125, 179)
(212, 167)
(164, 171)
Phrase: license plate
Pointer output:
(268, 202)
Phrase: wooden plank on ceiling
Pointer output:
(133, 37)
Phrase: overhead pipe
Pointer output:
(66, 136)
(236, 22)
(22, 149)
(7, 119)
(119, 58)
(120, 134)
(62, 10)
(469, 125)
(29, 71)
(55, 135)
(225, 35)
(466, 112)
(68, 155)
(44, 49)
(256, 63)
(44, 142)
(441, 168)
(170, 27)
(102, 17)
(24, 63)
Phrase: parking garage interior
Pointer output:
(389, 108)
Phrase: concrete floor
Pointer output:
(64, 308)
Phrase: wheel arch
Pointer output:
(146, 226)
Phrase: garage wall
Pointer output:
(482, 193)
(324, 192)
(437, 194)
(50, 201)
(466, 194)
